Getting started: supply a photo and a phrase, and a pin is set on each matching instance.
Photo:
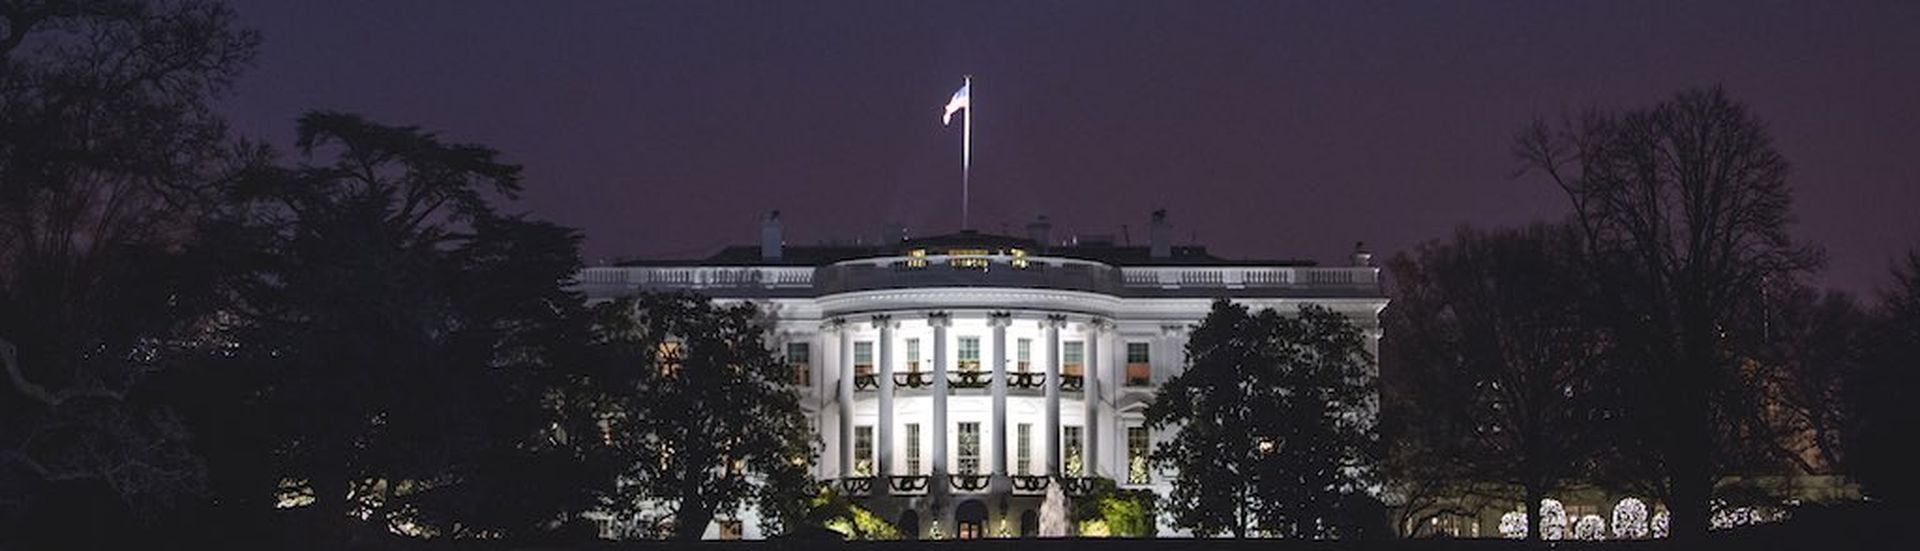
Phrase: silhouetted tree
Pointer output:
(1881, 452)
(1683, 207)
(409, 331)
(1273, 422)
(107, 151)
(1500, 370)
(691, 414)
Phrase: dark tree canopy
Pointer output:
(1881, 451)
(1273, 422)
(1499, 372)
(406, 328)
(1684, 209)
(687, 406)
(108, 153)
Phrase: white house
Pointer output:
(950, 377)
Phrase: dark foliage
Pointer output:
(1683, 208)
(1497, 371)
(1273, 422)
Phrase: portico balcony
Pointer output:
(910, 484)
(913, 379)
(969, 379)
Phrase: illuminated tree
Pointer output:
(691, 412)
(1590, 527)
(1630, 519)
(1553, 520)
(1513, 525)
(1272, 421)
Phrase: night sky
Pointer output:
(1267, 129)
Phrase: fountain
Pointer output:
(1053, 512)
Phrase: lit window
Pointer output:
(913, 355)
(1023, 352)
(969, 448)
(1075, 359)
(732, 530)
(1070, 442)
(969, 353)
(1139, 364)
(863, 358)
(863, 450)
(667, 356)
(800, 360)
(1137, 450)
(1023, 449)
(913, 448)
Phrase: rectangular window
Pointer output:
(913, 448)
(1137, 453)
(913, 355)
(1075, 358)
(1023, 449)
(1070, 444)
(969, 353)
(969, 448)
(732, 530)
(1139, 364)
(863, 358)
(1023, 353)
(667, 356)
(800, 361)
(863, 450)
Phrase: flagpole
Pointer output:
(966, 157)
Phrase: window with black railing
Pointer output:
(913, 355)
(1138, 448)
(969, 452)
(800, 363)
(1139, 364)
(1023, 355)
(863, 450)
(913, 448)
(1074, 359)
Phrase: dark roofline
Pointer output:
(822, 255)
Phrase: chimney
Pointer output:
(1160, 233)
(1361, 257)
(770, 239)
(1041, 232)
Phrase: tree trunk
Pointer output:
(1535, 494)
(1690, 453)
(691, 523)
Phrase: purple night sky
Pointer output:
(1268, 129)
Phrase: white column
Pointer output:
(844, 394)
(999, 321)
(1052, 437)
(940, 321)
(885, 324)
(1090, 397)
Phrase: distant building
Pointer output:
(952, 376)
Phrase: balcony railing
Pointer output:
(913, 379)
(866, 381)
(1026, 380)
(1139, 374)
(857, 486)
(969, 482)
(1073, 383)
(910, 484)
(1029, 484)
(996, 271)
(970, 379)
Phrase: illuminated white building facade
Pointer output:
(953, 378)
